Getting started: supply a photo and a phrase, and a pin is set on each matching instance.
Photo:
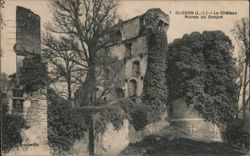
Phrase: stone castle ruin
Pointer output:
(129, 43)
(33, 107)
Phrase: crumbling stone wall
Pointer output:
(113, 141)
(191, 122)
(27, 31)
(131, 48)
(34, 106)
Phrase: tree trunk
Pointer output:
(248, 102)
(69, 90)
(91, 136)
(90, 85)
(244, 106)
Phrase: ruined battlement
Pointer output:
(27, 32)
(128, 42)
(135, 27)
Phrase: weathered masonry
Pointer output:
(33, 107)
(128, 42)
(131, 46)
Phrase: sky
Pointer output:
(179, 25)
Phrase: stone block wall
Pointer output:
(113, 141)
(27, 31)
(149, 129)
(35, 137)
(191, 123)
(34, 107)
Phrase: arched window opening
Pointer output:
(132, 88)
(136, 68)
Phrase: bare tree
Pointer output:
(85, 21)
(1, 51)
(65, 65)
(241, 34)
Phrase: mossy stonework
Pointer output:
(140, 56)
(31, 105)
(151, 86)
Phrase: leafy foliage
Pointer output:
(201, 68)
(161, 145)
(11, 131)
(115, 115)
(65, 125)
(11, 125)
(139, 118)
(4, 89)
(236, 134)
(34, 75)
(155, 90)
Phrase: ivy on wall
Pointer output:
(201, 68)
(11, 124)
(155, 90)
(65, 125)
(34, 75)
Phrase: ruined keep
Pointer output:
(130, 42)
(136, 43)
(33, 108)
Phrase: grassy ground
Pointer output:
(161, 146)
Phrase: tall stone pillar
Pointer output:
(33, 107)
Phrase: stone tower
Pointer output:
(128, 42)
(33, 107)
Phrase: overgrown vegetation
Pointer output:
(11, 125)
(236, 134)
(155, 90)
(201, 68)
(241, 34)
(11, 131)
(84, 22)
(159, 146)
(65, 125)
(34, 75)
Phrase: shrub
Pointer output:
(201, 68)
(11, 131)
(65, 124)
(11, 125)
(34, 75)
(236, 134)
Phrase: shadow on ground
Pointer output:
(164, 145)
